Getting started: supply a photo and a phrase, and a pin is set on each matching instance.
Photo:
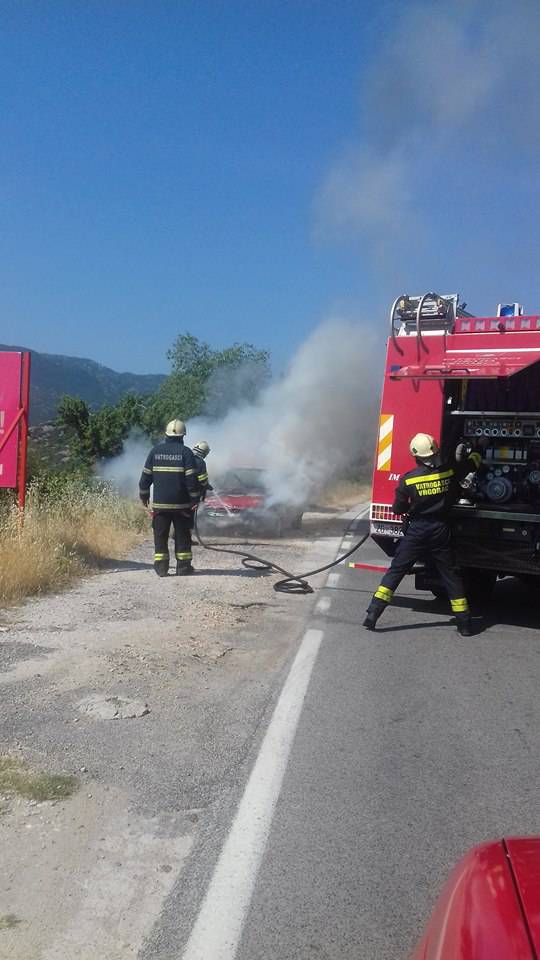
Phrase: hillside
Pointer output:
(53, 375)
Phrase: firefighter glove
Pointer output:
(145, 499)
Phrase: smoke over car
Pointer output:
(240, 499)
(306, 429)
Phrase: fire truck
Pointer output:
(474, 380)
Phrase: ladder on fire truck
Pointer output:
(436, 324)
(430, 312)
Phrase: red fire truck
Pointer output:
(466, 379)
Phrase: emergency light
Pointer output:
(509, 310)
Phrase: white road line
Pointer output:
(332, 579)
(323, 604)
(218, 928)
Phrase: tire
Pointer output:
(275, 525)
(479, 584)
(296, 522)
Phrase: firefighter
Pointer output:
(171, 468)
(426, 494)
(200, 452)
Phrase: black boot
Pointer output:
(464, 626)
(184, 570)
(374, 611)
(162, 568)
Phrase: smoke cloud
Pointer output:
(304, 430)
(444, 170)
(124, 471)
(307, 428)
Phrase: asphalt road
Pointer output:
(386, 757)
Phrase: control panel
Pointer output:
(509, 444)
(500, 427)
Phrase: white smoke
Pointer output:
(308, 427)
(442, 170)
(124, 471)
(304, 430)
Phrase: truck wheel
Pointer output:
(479, 584)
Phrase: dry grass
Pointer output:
(16, 778)
(345, 494)
(8, 921)
(69, 528)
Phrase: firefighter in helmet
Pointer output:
(200, 452)
(172, 471)
(426, 494)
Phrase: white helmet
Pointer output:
(201, 448)
(175, 428)
(423, 446)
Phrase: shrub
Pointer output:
(72, 524)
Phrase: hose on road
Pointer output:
(291, 583)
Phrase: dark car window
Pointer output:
(241, 480)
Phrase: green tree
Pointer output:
(206, 381)
(202, 381)
(98, 435)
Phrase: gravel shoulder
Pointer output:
(151, 692)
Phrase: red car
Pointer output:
(240, 499)
(490, 907)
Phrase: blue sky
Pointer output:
(243, 170)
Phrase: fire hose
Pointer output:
(291, 583)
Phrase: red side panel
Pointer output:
(524, 856)
(476, 355)
(407, 407)
(10, 402)
(528, 324)
(478, 915)
(473, 365)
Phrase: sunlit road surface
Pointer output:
(386, 756)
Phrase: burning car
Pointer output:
(241, 499)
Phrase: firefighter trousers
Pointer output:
(425, 540)
(161, 525)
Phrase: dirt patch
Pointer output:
(344, 495)
(84, 879)
(113, 708)
(12, 652)
(128, 622)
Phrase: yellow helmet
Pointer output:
(175, 428)
(423, 446)
(201, 448)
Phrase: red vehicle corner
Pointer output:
(490, 907)
(475, 380)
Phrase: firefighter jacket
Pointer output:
(170, 467)
(429, 491)
(202, 476)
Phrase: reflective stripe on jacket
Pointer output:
(171, 469)
(429, 490)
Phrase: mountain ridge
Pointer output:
(55, 374)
